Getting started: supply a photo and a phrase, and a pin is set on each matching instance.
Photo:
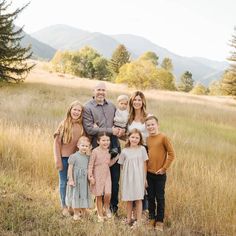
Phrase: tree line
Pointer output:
(144, 73)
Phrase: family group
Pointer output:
(89, 158)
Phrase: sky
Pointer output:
(200, 28)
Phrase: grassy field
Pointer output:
(200, 193)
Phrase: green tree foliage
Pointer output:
(186, 82)
(167, 64)
(228, 82)
(150, 56)
(138, 74)
(100, 67)
(13, 64)
(120, 57)
(199, 89)
(86, 62)
(165, 79)
(143, 74)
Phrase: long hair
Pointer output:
(132, 110)
(66, 126)
(134, 131)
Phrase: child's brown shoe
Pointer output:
(159, 226)
(151, 223)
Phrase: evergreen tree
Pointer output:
(232, 58)
(186, 82)
(119, 57)
(167, 64)
(228, 82)
(13, 65)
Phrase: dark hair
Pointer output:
(131, 108)
(100, 134)
(152, 117)
(134, 131)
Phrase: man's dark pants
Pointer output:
(115, 175)
(156, 196)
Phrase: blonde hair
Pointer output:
(132, 110)
(65, 129)
(122, 97)
(134, 131)
(85, 139)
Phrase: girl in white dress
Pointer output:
(133, 160)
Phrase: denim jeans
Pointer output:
(156, 196)
(63, 181)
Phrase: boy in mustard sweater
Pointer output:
(161, 154)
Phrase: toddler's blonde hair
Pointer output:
(123, 97)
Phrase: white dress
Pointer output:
(133, 176)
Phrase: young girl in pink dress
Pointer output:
(99, 174)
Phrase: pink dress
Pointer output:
(99, 169)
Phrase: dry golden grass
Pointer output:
(200, 192)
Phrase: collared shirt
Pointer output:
(101, 115)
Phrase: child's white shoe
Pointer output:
(76, 217)
(100, 219)
(65, 212)
(108, 214)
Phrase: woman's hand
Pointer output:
(59, 165)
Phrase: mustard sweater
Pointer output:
(160, 152)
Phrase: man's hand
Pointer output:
(121, 132)
(161, 172)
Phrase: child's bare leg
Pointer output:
(99, 205)
(107, 199)
(139, 209)
(129, 211)
(76, 211)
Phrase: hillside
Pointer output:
(66, 37)
(40, 50)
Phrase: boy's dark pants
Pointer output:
(156, 196)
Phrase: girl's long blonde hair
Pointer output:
(132, 110)
(65, 129)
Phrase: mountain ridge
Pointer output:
(66, 37)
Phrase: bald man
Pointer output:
(98, 117)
